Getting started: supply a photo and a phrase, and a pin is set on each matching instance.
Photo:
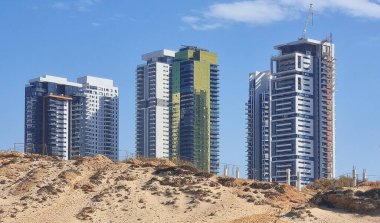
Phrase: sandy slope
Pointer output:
(44, 189)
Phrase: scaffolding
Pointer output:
(329, 81)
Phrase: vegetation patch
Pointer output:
(331, 184)
(84, 214)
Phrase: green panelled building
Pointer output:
(194, 126)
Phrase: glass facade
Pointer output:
(68, 119)
(53, 119)
(195, 108)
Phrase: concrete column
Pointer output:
(299, 180)
(225, 171)
(288, 176)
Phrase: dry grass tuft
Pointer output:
(331, 184)
(370, 184)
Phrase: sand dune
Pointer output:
(45, 189)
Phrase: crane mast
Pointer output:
(308, 19)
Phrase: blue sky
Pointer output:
(106, 38)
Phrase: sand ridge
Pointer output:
(94, 189)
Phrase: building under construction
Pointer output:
(290, 114)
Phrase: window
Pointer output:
(299, 84)
(299, 61)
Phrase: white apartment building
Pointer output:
(152, 104)
(101, 116)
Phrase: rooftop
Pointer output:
(158, 53)
(185, 47)
(298, 42)
(54, 79)
(96, 81)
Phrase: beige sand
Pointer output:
(44, 189)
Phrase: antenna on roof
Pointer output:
(308, 19)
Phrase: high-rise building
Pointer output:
(258, 148)
(67, 119)
(195, 108)
(101, 117)
(49, 104)
(291, 119)
(152, 104)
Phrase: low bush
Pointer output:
(331, 184)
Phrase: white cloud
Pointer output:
(197, 23)
(248, 12)
(261, 12)
(85, 5)
(78, 5)
(105, 20)
(96, 24)
(61, 5)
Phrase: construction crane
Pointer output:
(308, 19)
